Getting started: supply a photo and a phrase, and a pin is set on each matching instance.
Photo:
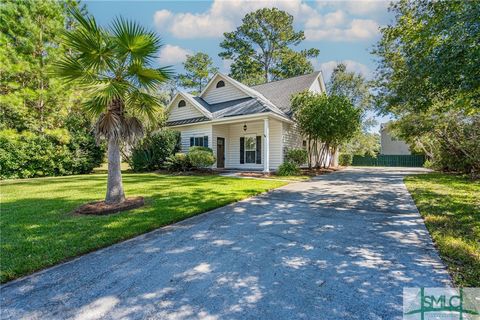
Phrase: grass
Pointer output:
(450, 205)
(37, 230)
(103, 168)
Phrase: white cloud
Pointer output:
(357, 7)
(170, 54)
(358, 29)
(224, 16)
(355, 66)
(162, 18)
(328, 20)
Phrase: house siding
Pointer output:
(229, 92)
(291, 138)
(187, 112)
(392, 146)
(194, 131)
(315, 87)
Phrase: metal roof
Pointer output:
(268, 97)
(280, 92)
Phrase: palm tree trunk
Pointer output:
(115, 192)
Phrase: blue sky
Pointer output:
(344, 31)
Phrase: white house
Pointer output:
(247, 127)
(390, 145)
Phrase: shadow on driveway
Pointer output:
(341, 246)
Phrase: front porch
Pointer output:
(248, 143)
(253, 145)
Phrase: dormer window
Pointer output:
(220, 84)
(182, 103)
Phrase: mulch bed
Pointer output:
(100, 208)
(319, 171)
(303, 172)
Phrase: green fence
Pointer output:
(390, 161)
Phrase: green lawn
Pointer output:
(37, 230)
(450, 205)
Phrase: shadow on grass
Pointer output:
(450, 205)
(38, 231)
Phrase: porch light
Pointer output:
(245, 127)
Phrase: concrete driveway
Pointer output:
(341, 246)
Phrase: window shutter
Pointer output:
(191, 141)
(259, 149)
(242, 150)
(205, 141)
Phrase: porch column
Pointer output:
(266, 146)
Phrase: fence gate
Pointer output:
(384, 160)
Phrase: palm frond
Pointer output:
(89, 42)
(108, 126)
(148, 78)
(134, 41)
(144, 103)
(71, 69)
(132, 130)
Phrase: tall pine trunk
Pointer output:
(115, 192)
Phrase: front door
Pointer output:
(220, 152)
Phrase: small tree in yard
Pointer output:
(326, 121)
(113, 67)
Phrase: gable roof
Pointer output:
(245, 89)
(271, 97)
(193, 100)
(280, 92)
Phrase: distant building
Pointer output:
(391, 145)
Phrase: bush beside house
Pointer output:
(154, 150)
(293, 160)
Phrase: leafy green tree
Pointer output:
(351, 85)
(428, 77)
(357, 89)
(363, 144)
(292, 63)
(326, 121)
(199, 69)
(31, 99)
(430, 52)
(262, 44)
(113, 67)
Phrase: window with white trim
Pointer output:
(199, 141)
(250, 149)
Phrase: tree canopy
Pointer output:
(428, 78)
(199, 69)
(30, 35)
(327, 120)
(430, 52)
(261, 48)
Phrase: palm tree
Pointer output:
(113, 67)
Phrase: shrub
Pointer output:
(345, 159)
(297, 156)
(178, 162)
(199, 148)
(52, 153)
(288, 169)
(201, 158)
(152, 152)
(86, 153)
